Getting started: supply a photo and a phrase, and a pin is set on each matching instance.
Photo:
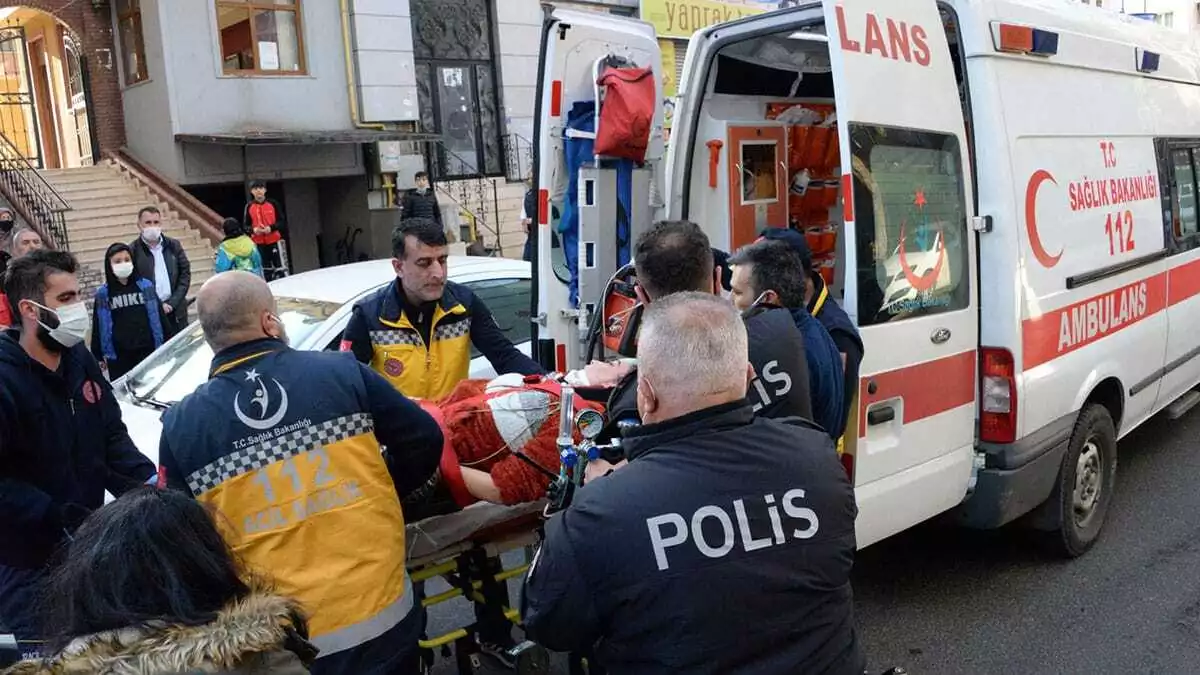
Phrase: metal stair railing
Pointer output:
(32, 197)
(469, 192)
(518, 157)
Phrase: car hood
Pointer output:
(145, 428)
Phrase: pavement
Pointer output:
(939, 599)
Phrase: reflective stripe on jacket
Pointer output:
(283, 444)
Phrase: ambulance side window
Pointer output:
(910, 224)
(1183, 197)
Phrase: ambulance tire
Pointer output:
(1085, 483)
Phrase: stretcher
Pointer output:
(459, 547)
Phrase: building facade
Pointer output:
(335, 103)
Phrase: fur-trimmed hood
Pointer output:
(257, 635)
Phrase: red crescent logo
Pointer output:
(925, 281)
(1035, 240)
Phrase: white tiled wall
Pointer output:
(383, 51)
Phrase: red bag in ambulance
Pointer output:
(627, 113)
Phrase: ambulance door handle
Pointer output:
(881, 416)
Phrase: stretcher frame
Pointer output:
(464, 564)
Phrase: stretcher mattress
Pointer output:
(442, 536)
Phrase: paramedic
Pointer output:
(825, 309)
(675, 256)
(418, 330)
(62, 441)
(768, 273)
(718, 548)
(295, 469)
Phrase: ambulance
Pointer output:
(1001, 193)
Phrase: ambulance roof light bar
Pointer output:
(1017, 39)
(1147, 61)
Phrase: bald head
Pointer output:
(692, 354)
(236, 307)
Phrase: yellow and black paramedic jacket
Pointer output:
(383, 333)
(286, 446)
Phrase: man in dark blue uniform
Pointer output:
(674, 257)
(62, 442)
(825, 309)
(723, 546)
(768, 274)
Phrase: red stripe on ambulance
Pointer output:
(928, 389)
(1184, 283)
(1064, 330)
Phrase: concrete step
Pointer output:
(108, 188)
(119, 220)
(82, 238)
(127, 210)
(201, 257)
(65, 179)
(109, 200)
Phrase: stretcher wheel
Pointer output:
(531, 658)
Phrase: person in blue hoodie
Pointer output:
(768, 273)
(62, 441)
(127, 322)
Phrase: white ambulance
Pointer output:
(1001, 193)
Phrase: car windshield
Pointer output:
(169, 375)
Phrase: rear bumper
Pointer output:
(1017, 477)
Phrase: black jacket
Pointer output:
(417, 205)
(763, 588)
(777, 353)
(179, 271)
(845, 335)
(62, 444)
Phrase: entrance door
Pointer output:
(18, 115)
(911, 278)
(77, 83)
(44, 102)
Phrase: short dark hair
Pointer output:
(26, 276)
(148, 209)
(426, 230)
(258, 184)
(774, 266)
(673, 256)
(420, 174)
(152, 555)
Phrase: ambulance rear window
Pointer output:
(910, 224)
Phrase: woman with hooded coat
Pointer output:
(148, 586)
(127, 322)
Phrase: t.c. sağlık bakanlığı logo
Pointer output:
(264, 402)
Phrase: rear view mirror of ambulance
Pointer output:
(844, 120)
(573, 45)
(904, 158)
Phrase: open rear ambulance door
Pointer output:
(911, 278)
(572, 44)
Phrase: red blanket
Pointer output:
(485, 422)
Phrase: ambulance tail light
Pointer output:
(997, 396)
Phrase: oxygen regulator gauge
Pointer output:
(589, 423)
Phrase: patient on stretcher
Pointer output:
(486, 424)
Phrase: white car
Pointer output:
(315, 308)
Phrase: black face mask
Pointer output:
(6, 226)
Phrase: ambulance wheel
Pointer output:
(1085, 482)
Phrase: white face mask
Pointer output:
(72, 324)
(152, 235)
(123, 270)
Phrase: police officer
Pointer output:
(675, 256)
(826, 309)
(286, 446)
(418, 331)
(768, 274)
(724, 545)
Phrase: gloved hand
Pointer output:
(71, 516)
